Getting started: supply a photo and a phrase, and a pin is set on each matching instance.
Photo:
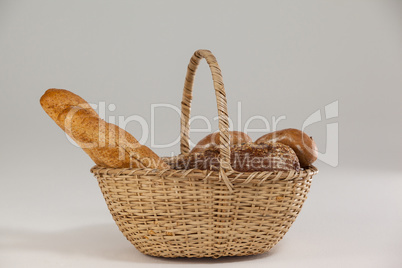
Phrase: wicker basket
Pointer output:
(202, 213)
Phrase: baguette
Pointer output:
(113, 146)
(55, 101)
(106, 144)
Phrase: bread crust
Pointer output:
(113, 146)
(303, 145)
(54, 101)
(236, 137)
(106, 144)
(247, 157)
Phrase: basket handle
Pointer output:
(222, 110)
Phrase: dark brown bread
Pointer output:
(303, 145)
(236, 137)
(246, 157)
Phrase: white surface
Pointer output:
(280, 58)
(350, 219)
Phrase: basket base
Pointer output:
(203, 252)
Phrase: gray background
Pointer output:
(278, 58)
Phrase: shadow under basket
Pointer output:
(203, 213)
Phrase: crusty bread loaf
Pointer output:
(55, 101)
(303, 145)
(106, 144)
(248, 157)
(113, 146)
(236, 137)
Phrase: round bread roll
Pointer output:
(236, 137)
(303, 145)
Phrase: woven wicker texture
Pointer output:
(202, 213)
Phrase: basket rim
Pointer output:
(240, 177)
